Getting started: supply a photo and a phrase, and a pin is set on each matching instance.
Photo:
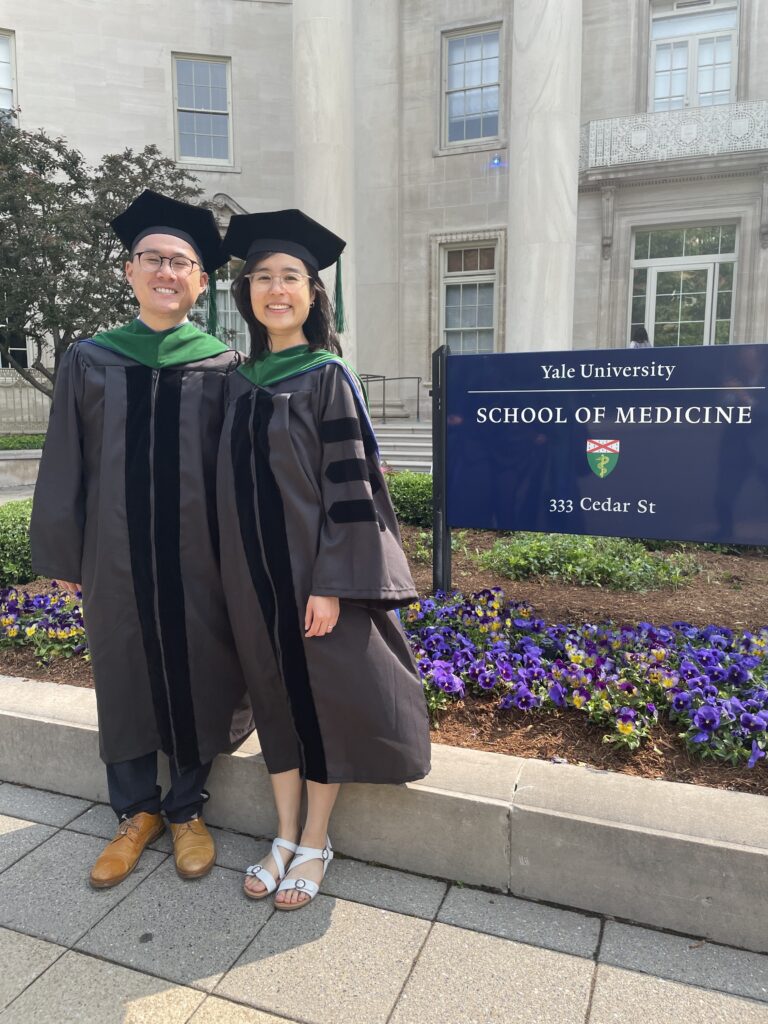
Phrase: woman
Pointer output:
(311, 557)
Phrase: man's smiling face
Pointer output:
(163, 293)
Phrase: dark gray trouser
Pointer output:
(133, 788)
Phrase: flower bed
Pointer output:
(50, 625)
(709, 682)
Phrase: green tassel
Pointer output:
(338, 301)
(213, 312)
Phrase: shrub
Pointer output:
(613, 562)
(17, 442)
(411, 495)
(15, 556)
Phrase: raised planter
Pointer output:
(19, 468)
(681, 857)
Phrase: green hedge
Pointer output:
(411, 495)
(17, 442)
(15, 556)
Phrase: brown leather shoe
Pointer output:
(120, 857)
(193, 848)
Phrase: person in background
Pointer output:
(639, 338)
(125, 504)
(311, 559)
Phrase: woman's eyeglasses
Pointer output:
(263, 282)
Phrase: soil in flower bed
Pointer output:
(568, 736)
(730, 590)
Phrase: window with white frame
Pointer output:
(469, 298)
(7, 91)
(694, 50)
(203, 109)
(232, 329)
(683, 284)
(471, 86)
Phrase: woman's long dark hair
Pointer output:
(318, 327)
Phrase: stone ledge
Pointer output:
(665, 854)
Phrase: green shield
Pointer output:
(602, 456)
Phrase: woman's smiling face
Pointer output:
(282, 306)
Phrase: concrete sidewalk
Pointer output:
(377, 946)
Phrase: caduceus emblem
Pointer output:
(602, 456)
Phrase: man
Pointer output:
(125, 502)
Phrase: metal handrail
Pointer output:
(374, 377)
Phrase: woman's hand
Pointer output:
(71, 588)
(321, 615)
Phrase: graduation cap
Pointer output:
(155, 214)
(292, 232)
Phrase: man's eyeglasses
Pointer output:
(150, 261)
(291, 281)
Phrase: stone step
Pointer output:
(409, 465)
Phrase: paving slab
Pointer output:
(190, 932)
(23, 959)
(18, 837)
(384, 888)
(39, 805)
(80, 989)
(332, 961)
(47, 894)
(624, 995)
(521, 920)
(688, 960)
(221, 1011)
(481, 979)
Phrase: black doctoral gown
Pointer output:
(304, 509)
(125, 503)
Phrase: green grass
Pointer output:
(18, 442)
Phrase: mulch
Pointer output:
(730, 590)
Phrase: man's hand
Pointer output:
(321, 615)
(71, 588)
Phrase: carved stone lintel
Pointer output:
(607, 193)
(223, 207)
(764, 209)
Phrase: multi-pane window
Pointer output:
(471, 74)
(203, 109)
(231, 325)
(682, 284)
(7, 99)
(693, 54)
(469, 299)
(232, 328)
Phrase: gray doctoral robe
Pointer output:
(125, 503)
(303, 509)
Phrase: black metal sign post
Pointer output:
(441, 533)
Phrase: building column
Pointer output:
(323, 98)
(543, 158)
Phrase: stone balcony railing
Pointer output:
(674, 135)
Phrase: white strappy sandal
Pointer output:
(304, 854)
(264, 876)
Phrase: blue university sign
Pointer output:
(665, 442)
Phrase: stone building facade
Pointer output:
(510, 175)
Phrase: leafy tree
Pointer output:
(60, 263)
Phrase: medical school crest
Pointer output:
(602, 456)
